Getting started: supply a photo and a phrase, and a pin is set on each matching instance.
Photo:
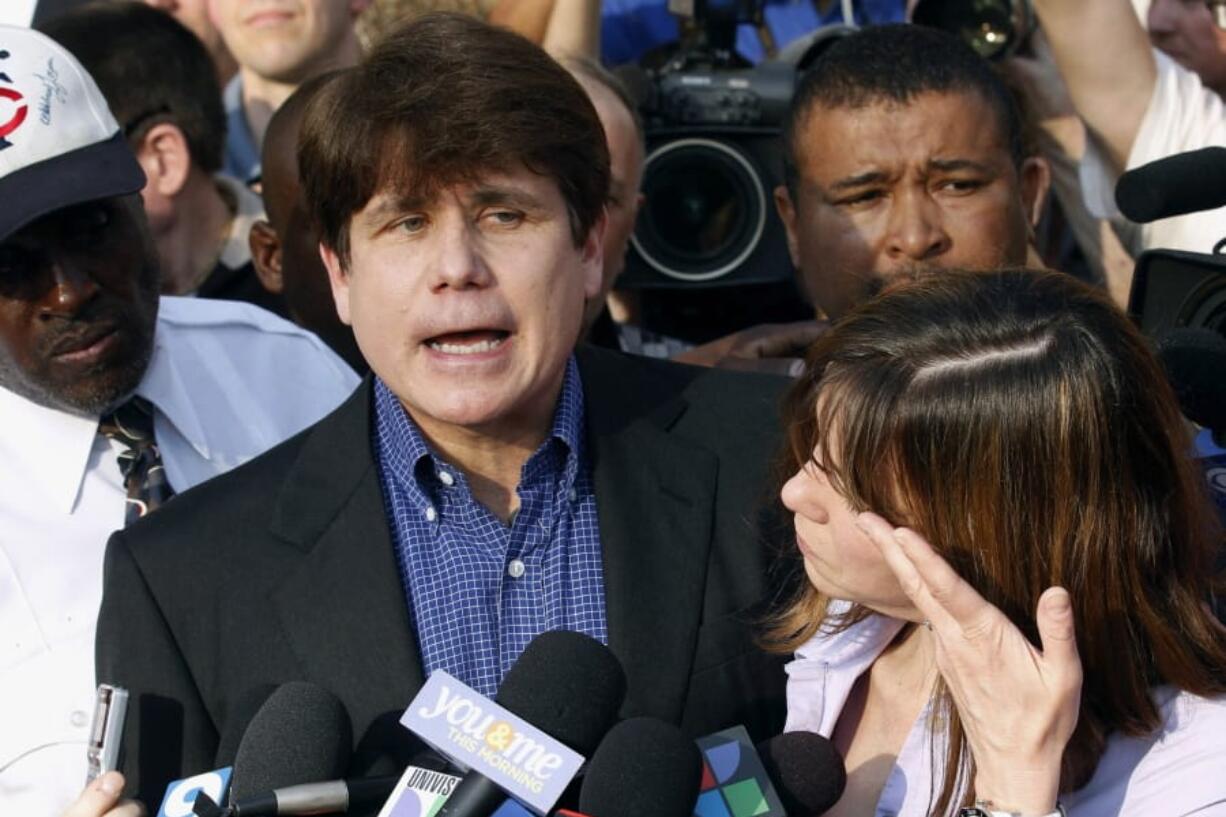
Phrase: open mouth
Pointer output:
(473, 342)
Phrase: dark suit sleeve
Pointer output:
(168, 734)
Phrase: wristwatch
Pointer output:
(985, 808)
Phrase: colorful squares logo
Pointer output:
(734, 784)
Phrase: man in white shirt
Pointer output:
(83, 335)
(1139, 104)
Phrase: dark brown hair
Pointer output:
(1019, 421)
(444, 100)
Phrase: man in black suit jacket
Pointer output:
(458, 178)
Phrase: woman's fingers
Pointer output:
(940, 594)
(1058, 633)
(882, 535)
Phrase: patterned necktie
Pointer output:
(140, 462)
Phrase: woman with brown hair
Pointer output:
(1008, 554)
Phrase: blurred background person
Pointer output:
(174, 121)
(194, 14)
(1142, 103)
(285, 247)
(278, 46)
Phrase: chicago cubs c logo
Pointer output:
(19, 114)
(14, 121)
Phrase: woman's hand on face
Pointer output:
(1018, 704)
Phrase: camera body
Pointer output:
(714, 157)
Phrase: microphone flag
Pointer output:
(734, 782)
(181, 794)
(419, 793)
(477, 734)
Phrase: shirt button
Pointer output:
(573, 495)
(431, 514)
(446, 478)
(78, 719)
(515, 569)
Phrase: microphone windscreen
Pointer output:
(568, 685)
(237, 718)
(806, 769)
(1194, 359)
(301, 734)
(1184, 183)
(643, 768)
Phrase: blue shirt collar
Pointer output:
(413, 463)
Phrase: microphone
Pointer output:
(1177, 185)
(806, 769)
(281, 745)
(643, 768)
(302, 732)
(554, 705)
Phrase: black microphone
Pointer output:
(1194, 360)
(566, 684)
(1177, 185)
(301, 734)
(643, 768)
(806, 769)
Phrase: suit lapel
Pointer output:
(343, 607)
(654, 496)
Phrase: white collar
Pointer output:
(50, 448)
(839, 659)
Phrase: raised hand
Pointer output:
(1018, 704)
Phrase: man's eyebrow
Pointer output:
(390, 206)
(954, 165)
(491, 195)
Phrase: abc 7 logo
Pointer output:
(182, 796)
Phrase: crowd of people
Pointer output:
(314, 366)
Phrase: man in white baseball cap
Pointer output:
(111, 401)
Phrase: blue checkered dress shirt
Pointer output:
(479, 590)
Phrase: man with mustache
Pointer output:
(489, 482)
(111, 400)
(903, 151)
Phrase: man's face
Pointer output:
(78, 304)
(468, 304)
(889, 190)
(285, 40)
(297, 272)
(626, 172)
(1184, 29)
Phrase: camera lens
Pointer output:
(1205, 306)
(705, 210)
(994, 28)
